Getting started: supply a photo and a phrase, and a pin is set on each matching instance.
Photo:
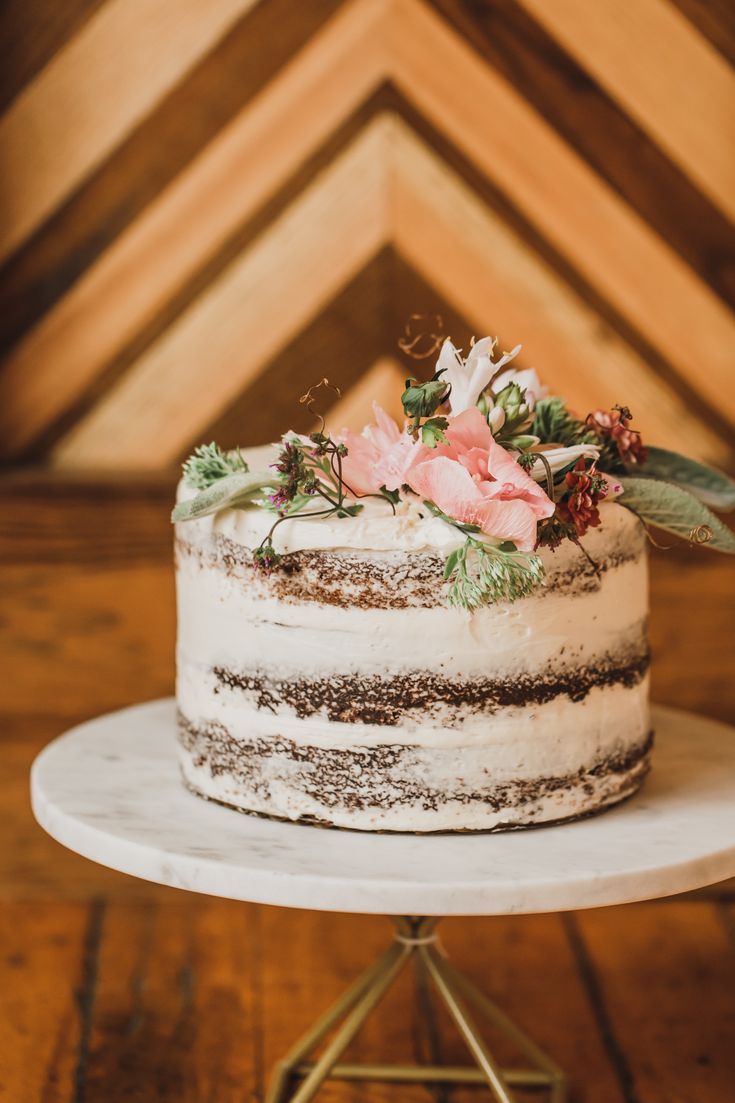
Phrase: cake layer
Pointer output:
(304, 639)
(518, 772)
(343, 690)
(412, 699)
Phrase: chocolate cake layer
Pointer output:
(395, 580)
(387, 776)
(372, 699)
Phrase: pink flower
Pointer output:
(377, 457)
(474, 480)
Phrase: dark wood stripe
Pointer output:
(239, 240)
(31, 32)
(715, 19)
(51, 260)
(619, 150)
(726, 915)
(102, 520)
(596, 999)
(86, 997)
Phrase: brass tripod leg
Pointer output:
(495, 1079)
(358, 1007)
(504, 1023)
(414, 939)
(315, 1033)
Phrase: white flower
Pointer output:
(559, 458)
(470, 376)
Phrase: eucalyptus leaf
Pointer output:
(675, 510)
(233, 490)
(451, 562)
(708, 484)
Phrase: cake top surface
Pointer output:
(488, 470)
(377, 527)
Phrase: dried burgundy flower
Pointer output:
(613, 425)
(586, 489)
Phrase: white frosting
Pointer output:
(312, 639)
(228, 621)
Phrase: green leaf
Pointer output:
(675, 510)
(708, 484)
(232, 490)
(432, 431)
(452, 560)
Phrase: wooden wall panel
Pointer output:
(208, 207)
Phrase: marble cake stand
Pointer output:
(110, 790)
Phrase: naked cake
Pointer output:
(434, 627)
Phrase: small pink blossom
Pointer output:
(474, 480)
(377, 457)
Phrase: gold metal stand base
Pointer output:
(416, 940)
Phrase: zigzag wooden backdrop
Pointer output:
(209, 206)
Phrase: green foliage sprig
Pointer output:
(554, 424)
(208, 463)
(483, 574)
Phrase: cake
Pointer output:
(425, 654)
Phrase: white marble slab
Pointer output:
(110, 790)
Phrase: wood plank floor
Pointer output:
(112, 989)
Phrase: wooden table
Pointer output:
(112, 989)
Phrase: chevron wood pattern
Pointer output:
(209, 207)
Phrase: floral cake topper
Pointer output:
(485, 448)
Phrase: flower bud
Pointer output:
(423, 399)
(496, 419)
(512, 399)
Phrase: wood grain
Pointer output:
(506, 956)
(564, 92)
(668, 1054)
(715, 19)
(176, 209)
(173, 1003)
(32, 34)
(192, 999)
(669, 89)
(476, 261)
(582, 217)
(187, 225)
(163, 145)
(42, 962)
(562, 333)
(320, 243)
(131, 52)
